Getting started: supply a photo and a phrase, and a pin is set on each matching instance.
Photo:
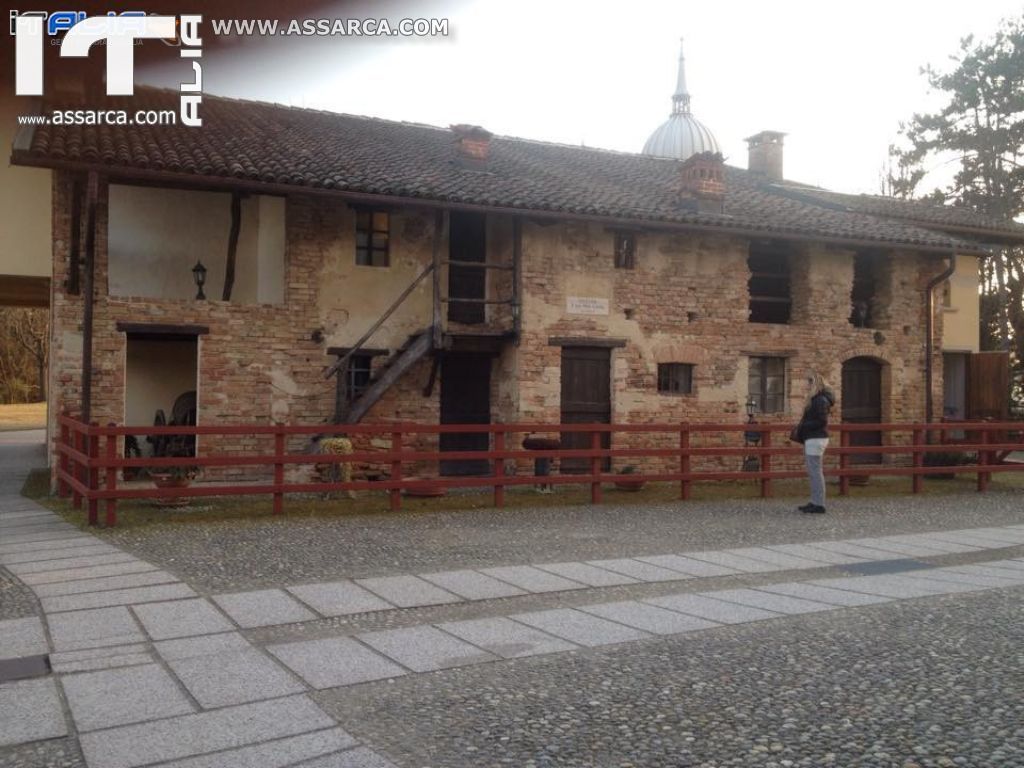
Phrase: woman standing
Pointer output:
(812, 431)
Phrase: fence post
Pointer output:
(63, 490)
(595, 468)
(499, 469)
(94, 475)
(918, 461)
(983, 460)
(844, 463)
(278, 468)
(766, 464)
(111, 485)
(684, 462)
(76, 467)
(396, 471)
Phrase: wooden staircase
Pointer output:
(415, 348)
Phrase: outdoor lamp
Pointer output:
(751, 408)
(751, 436)
(199, 274)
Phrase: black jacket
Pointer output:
(814, 422)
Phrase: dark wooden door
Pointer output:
(465, 399)
(467, 242)
(586, 399)
(988, 389)
(862, 404)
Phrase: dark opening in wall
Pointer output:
(865, 295)
(770, 283)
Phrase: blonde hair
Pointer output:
(818, 383)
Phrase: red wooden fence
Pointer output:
(82, 463)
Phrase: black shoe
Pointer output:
(806, 507)
(814, 509)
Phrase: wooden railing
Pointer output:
(90, 458)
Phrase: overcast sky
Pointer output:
(836, 77)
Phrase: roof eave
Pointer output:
(25, 158)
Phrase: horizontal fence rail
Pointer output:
(89, 475)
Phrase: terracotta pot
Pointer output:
(629, 485)
(428, 490)
(167, 480)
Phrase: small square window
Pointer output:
(767, 384)
(625, 250)
(675, 378)
(372, 238)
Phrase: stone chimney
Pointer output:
(765, 154)
(702, 179)
(472, 144)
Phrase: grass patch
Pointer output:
(22, 416)
(37, 485)
(144, 513)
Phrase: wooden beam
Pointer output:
(436, 329)
(24, 291)
(89, 288)
(75, 238)
(162, 329)
(583, 341)
(236, 226)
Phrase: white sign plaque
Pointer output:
(586, 305)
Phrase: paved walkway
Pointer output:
(148, 672)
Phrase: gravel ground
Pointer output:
(16, 600)
(55, 753)
(919, 683)
(243, 554)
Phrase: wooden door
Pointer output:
(465, 399)
(467, 242)
(862, 404)
(988, 389)
(586, 399)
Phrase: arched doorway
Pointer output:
(862, 403)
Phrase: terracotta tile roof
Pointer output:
(272, 144)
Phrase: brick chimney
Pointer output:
(702, 179)
(765, 154)
(472, 144)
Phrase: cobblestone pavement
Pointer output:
(886, 635)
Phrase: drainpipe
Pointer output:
(88, 291)
(929, 322)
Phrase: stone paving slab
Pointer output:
(361, 757)
(947, 547)
(133, 596)
(687, 566)
(70, 562)
(339, 598)
(711, 609)
(844, 548)
(956, 577)
(36, 546)
(736, 562)
(1009, 565)
(531, 579)
(472, 585)
(424, 649)
(983, 569)
(840, 597)
(234, 677)
(587, 574)
(31, 527)
(289, 751)
(408, 591)
(638, 569)
(334, 662)
(93, 629)
(61, 534)
(22, 637)
(969, 537)
(506, 638)
(648, 618)
(791, 562)
(814, 553)
(66, 662)
(898, 548)
(61, 553)
(115, 697)
(203, 645)
(202, 733)
(181, 618)
(264, 608)
(580, 628)
(891, 586)
(30, 710)
(104, 583)
(80, 574)
(770, 602)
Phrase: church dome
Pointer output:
(682, 135)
